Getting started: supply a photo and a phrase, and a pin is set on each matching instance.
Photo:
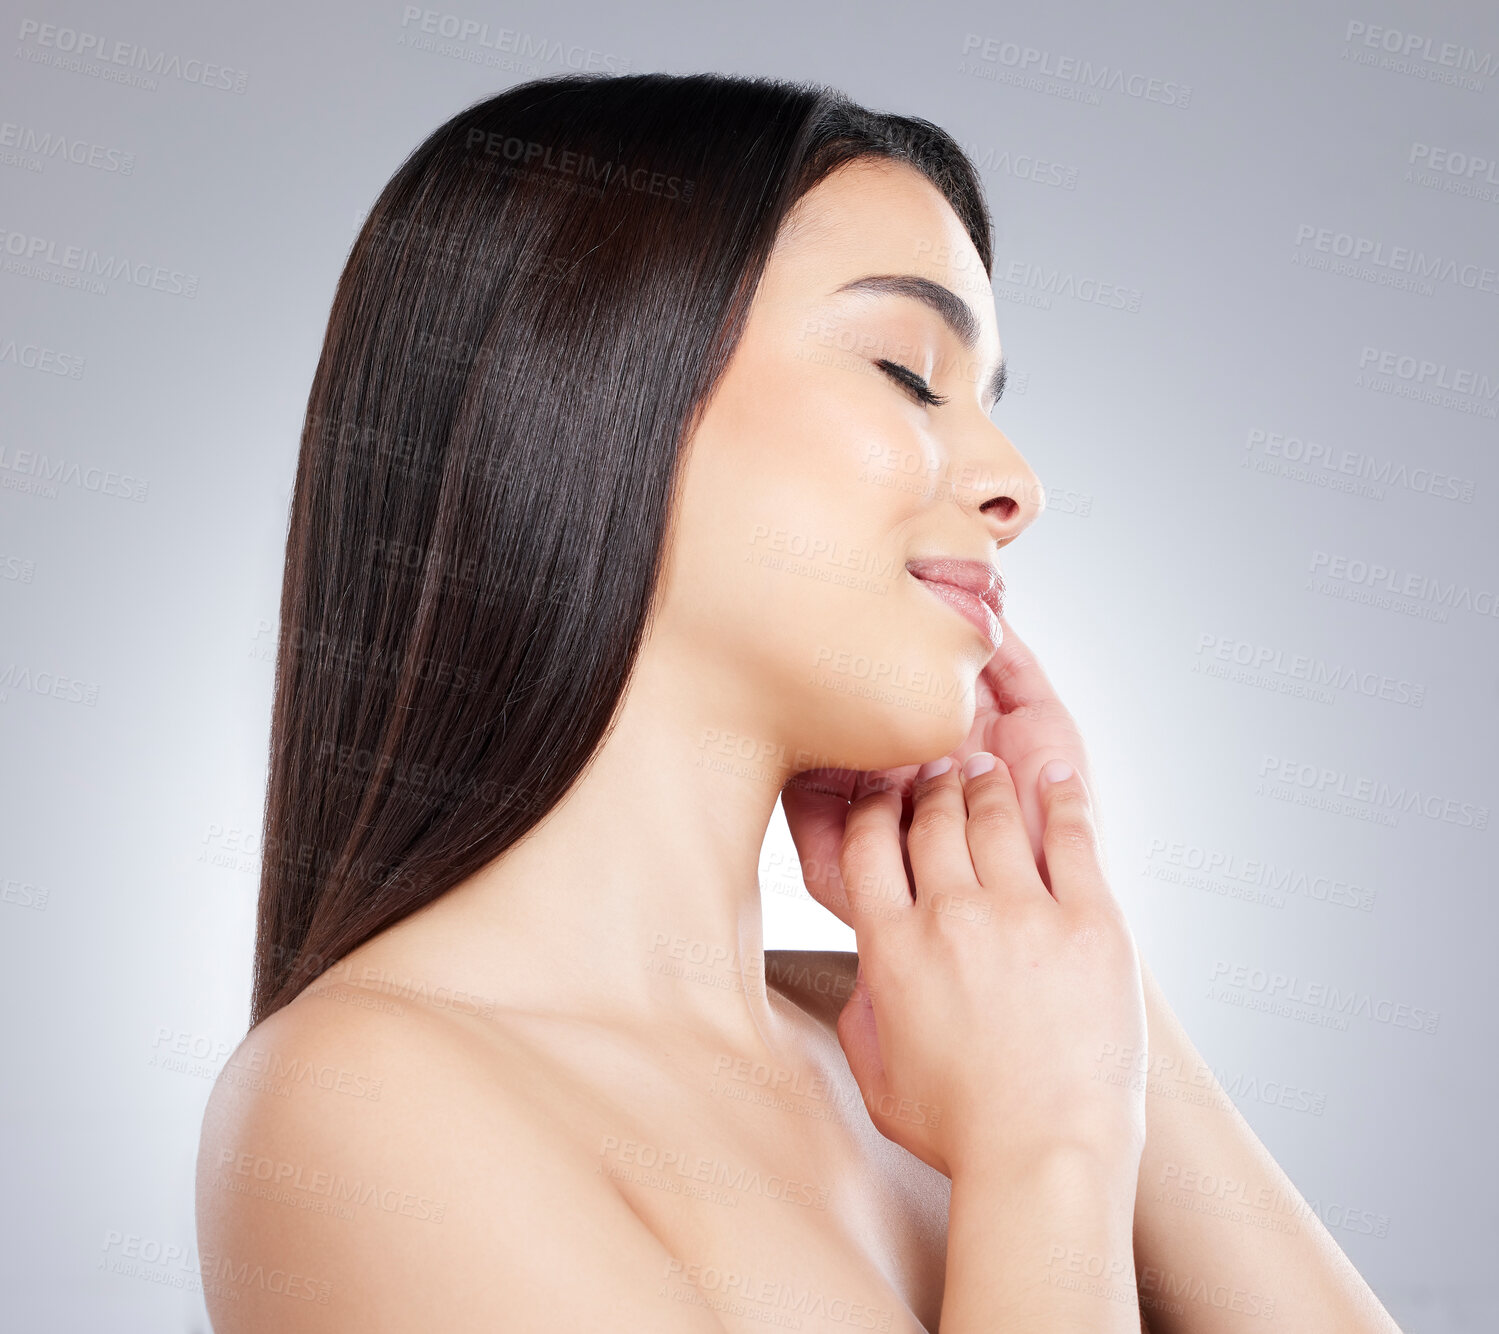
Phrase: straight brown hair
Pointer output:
(526, 331)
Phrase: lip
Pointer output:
(972, 588)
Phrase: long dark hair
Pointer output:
(529, 324)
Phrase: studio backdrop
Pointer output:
(1247, 281)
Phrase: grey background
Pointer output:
(143, 496)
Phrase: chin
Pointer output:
(905, 713)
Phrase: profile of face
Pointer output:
(819, 472)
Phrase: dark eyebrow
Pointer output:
(955, 312)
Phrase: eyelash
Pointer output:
(906, 376)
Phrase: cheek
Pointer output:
(825, 542)
(790, 563)
(831, 616)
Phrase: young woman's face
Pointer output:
(817, 476)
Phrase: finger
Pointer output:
(815, 804)
(874, 879)
(1072, 861)
(876, 780)
(1031, 725)
(1015, 674)
(858, 1035)
(936, 840)
(997, 839)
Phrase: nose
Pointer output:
(994, 481)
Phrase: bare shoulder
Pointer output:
(819, 981)
(363, 1166)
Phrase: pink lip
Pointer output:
(974, 590)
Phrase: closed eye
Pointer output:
(919, 388)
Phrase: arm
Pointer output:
(984, 995)
(1042, 1247)
(1178, 1253)
(1205, 1273)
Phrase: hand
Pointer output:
(1017, 717)
(986, 998)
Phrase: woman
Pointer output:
(648, 467)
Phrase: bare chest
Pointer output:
(778, 1201)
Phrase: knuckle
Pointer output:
(933, 822)
(867, 887)
(1099, 926)
(993, 817)
(1030, 921)
(1070, 835)
(866, 815)
(861, 844)
(855, 857)
(1069, 797)
(1069, 819)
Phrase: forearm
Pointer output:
(1261, 1259)
(1041, 1248)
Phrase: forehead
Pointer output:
(875, 215)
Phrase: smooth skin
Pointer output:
(574, 1092)
(1034, 980)
(1196, 1272)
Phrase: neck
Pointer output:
(638, 896)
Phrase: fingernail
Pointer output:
(980, 762)
(933, 767)
(1054, 771)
